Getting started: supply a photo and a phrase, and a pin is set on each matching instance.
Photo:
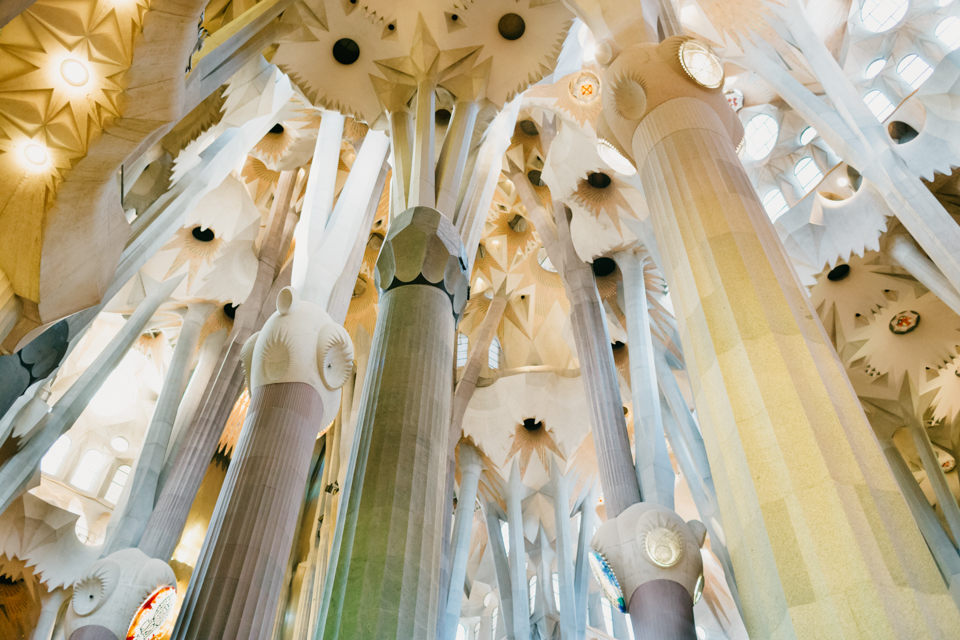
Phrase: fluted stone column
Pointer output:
(517, 554)
(470, 468)
(138, 504)
(565, 549)
(819, 534)
(295, 366)
(501, 566)
(654, 471)
(391, 546)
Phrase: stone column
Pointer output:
(132, 516)
(296, 366)
(601, 385)
(565, 549)
(390, 552)
(50, 605)
(501, 566)
(581, 584)
(517, 555)
(470, 468)
(199, 443)
(819, 534)
(948, 504)
(654, 471)
(904, 250)
(16, 472)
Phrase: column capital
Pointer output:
(648, 542)
(423, 247)
(113, 589)
(299, 343)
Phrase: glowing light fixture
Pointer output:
(74, 72)
(35, 154)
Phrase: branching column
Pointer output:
(470, 468)
(820, 537)
(138, 506)
(295, 366)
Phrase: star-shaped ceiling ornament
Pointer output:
(193, 250)
(532, 436)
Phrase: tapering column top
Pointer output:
(423, 247)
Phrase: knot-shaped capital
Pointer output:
(113, 590)
(646, 76)
(299, 343)
(423, 247)
(649, 542)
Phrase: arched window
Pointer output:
(607, 615)
(463, 349)
(494, 619)
(532, 585)
(874, 68)
(914, 70)
(119, 444)
(878, 104)
(88, 470)
(808, 135)
(774, 203)
(493, 355)
(882, 15)
(117, 484)
(505, 533)
(760, 136)
(476, 631)
(556, 589)
(461, 632)
(50, 463)
(808, 175)
(544, 261)
(948, 31)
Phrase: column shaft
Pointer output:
(132, 517)
(662, 610)
(235, 589)
(654, 471)
(470, 467)
(518, 556)
(818, 533)
(391, 547)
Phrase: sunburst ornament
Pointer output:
(529, 436)
(600, 193)
(195, 247)
(274, 144)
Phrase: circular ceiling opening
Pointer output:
(230, 310)
(901, 132)
(534, 177)
(442, 116)
(346, 51)
(604, 267)
(532, 424)
(203, 235)
(511, 26)
(838, 273)
(529, 128)
(277, 128)
(599, 180)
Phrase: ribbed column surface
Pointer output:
(169, 516)
(235, 589)
(822, 542)
(93, 632)
(662, 610)
(389, 586)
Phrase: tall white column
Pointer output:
(132, 515)
(470, 468)
(565, 549)
(50, 605)
(517, 555)
(654, 471)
